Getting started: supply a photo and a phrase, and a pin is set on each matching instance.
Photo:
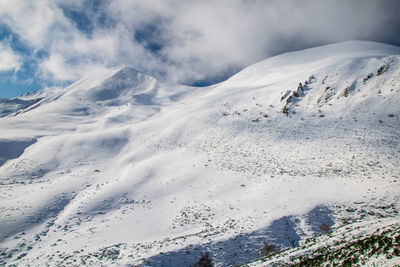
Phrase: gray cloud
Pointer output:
(188, 41)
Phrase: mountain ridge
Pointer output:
(266, 157)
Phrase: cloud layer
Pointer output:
(193, 42)
(9, 61)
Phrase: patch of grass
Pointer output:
(384, 243)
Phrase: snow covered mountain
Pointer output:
(120, 168)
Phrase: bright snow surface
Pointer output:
(120, 168)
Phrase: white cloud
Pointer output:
(56, 66)
(9, 60)
(191, 40)
(32, 20)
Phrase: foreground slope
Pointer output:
(368, 243)
(120, 168)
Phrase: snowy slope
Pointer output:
(121, 168)
(367, 243)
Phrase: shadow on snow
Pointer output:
(283, 233)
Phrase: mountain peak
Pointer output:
(111, 84)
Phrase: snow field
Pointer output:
(127, 170)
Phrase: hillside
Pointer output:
(120, 168)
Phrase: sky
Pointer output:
(52, 43)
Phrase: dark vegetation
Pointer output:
(386, 243)
(204, 261)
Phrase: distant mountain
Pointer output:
(284, 156)
(11, 106)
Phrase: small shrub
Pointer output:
(268, 249)
(325, 228)
(204, 261)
